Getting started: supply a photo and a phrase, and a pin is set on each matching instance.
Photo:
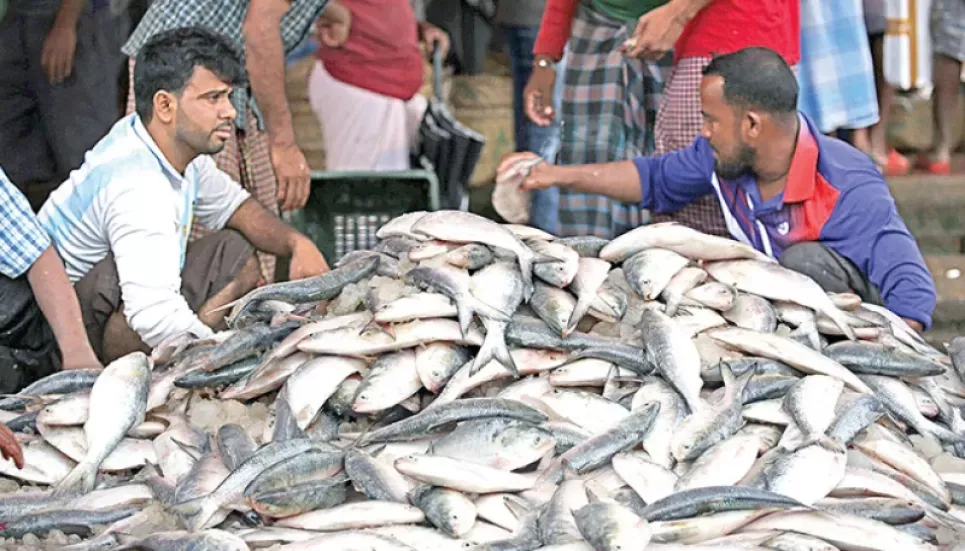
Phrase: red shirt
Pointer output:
(382, 52)
(723, 27)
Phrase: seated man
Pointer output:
(34, 323)
(121, 221)
(814, 202)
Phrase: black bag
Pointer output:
(28, 350)
(452, 148)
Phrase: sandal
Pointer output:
(896, 164)
(940, 168)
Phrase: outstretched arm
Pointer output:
(57, 300)
(270, 234)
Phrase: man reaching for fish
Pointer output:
(811, 201)
(121, 221)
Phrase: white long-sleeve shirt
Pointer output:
(127, 199)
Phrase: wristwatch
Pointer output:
(545, 63)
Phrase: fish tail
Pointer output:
(501, 351)
(465, 313)
(580, 310)
(526, 269)
(841, 320)
(485, 354)
(80, 480)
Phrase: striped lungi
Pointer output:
(678, 123)
(246, 158)
(609, 106)
(835, 74)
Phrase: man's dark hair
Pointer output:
(167, 61)
(756, 78)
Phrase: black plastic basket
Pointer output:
(345, 209)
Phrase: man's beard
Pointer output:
(732, 170)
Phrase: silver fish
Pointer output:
(590, 276)
(455, 284)
(500, 286)
(752, 312)
(680, 239)
(649, 272)
(771, 280)
(674, 355)
(118, 403)
(558, 264)
(464, 227)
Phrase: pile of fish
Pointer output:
(472, 385)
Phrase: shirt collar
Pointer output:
(804, 166)
(141, 132)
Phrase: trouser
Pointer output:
(28, 350)
(45, 129)
(544, 140)
(210, 264)
(833, 272)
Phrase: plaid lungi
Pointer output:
(678, 123)
(246, 158)
(609, 106)
(835, 74)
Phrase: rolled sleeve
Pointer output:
(147, 251)
(218, 195)
(22, 238)
(670, 182)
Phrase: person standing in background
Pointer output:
(609, 101)
(261, 153)
(59, 63)
(520, 21)
(874, 140)
(698, 30)
(836, 74)
(948, 44)
(365, 92)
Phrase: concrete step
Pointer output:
(933, 207)
(949, 318)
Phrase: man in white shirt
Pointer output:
(121, 221)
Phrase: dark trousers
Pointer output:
(833, 272)
(45, 129)
(28, 350)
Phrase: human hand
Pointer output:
(540, 175)
(538, 96)
(306, 261)
(655, 34)
(9, 446)
(293, 176)
(432, 36)
(81, 362)
(334, 25)
(57, 53)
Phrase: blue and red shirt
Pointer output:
(834, 194)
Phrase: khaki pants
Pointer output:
(210, 264)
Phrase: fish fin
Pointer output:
(745, 378)
(196, 513)
(374, 326)
(225, 306)
(193, 451)
(519, 508)
(494, 346)
(80, 480)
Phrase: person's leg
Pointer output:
(948, 44)
(947, 76)
(529, 135)
(79, 111)
(24, 153)
(833, 272)
(99, 294)
(218, 268)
